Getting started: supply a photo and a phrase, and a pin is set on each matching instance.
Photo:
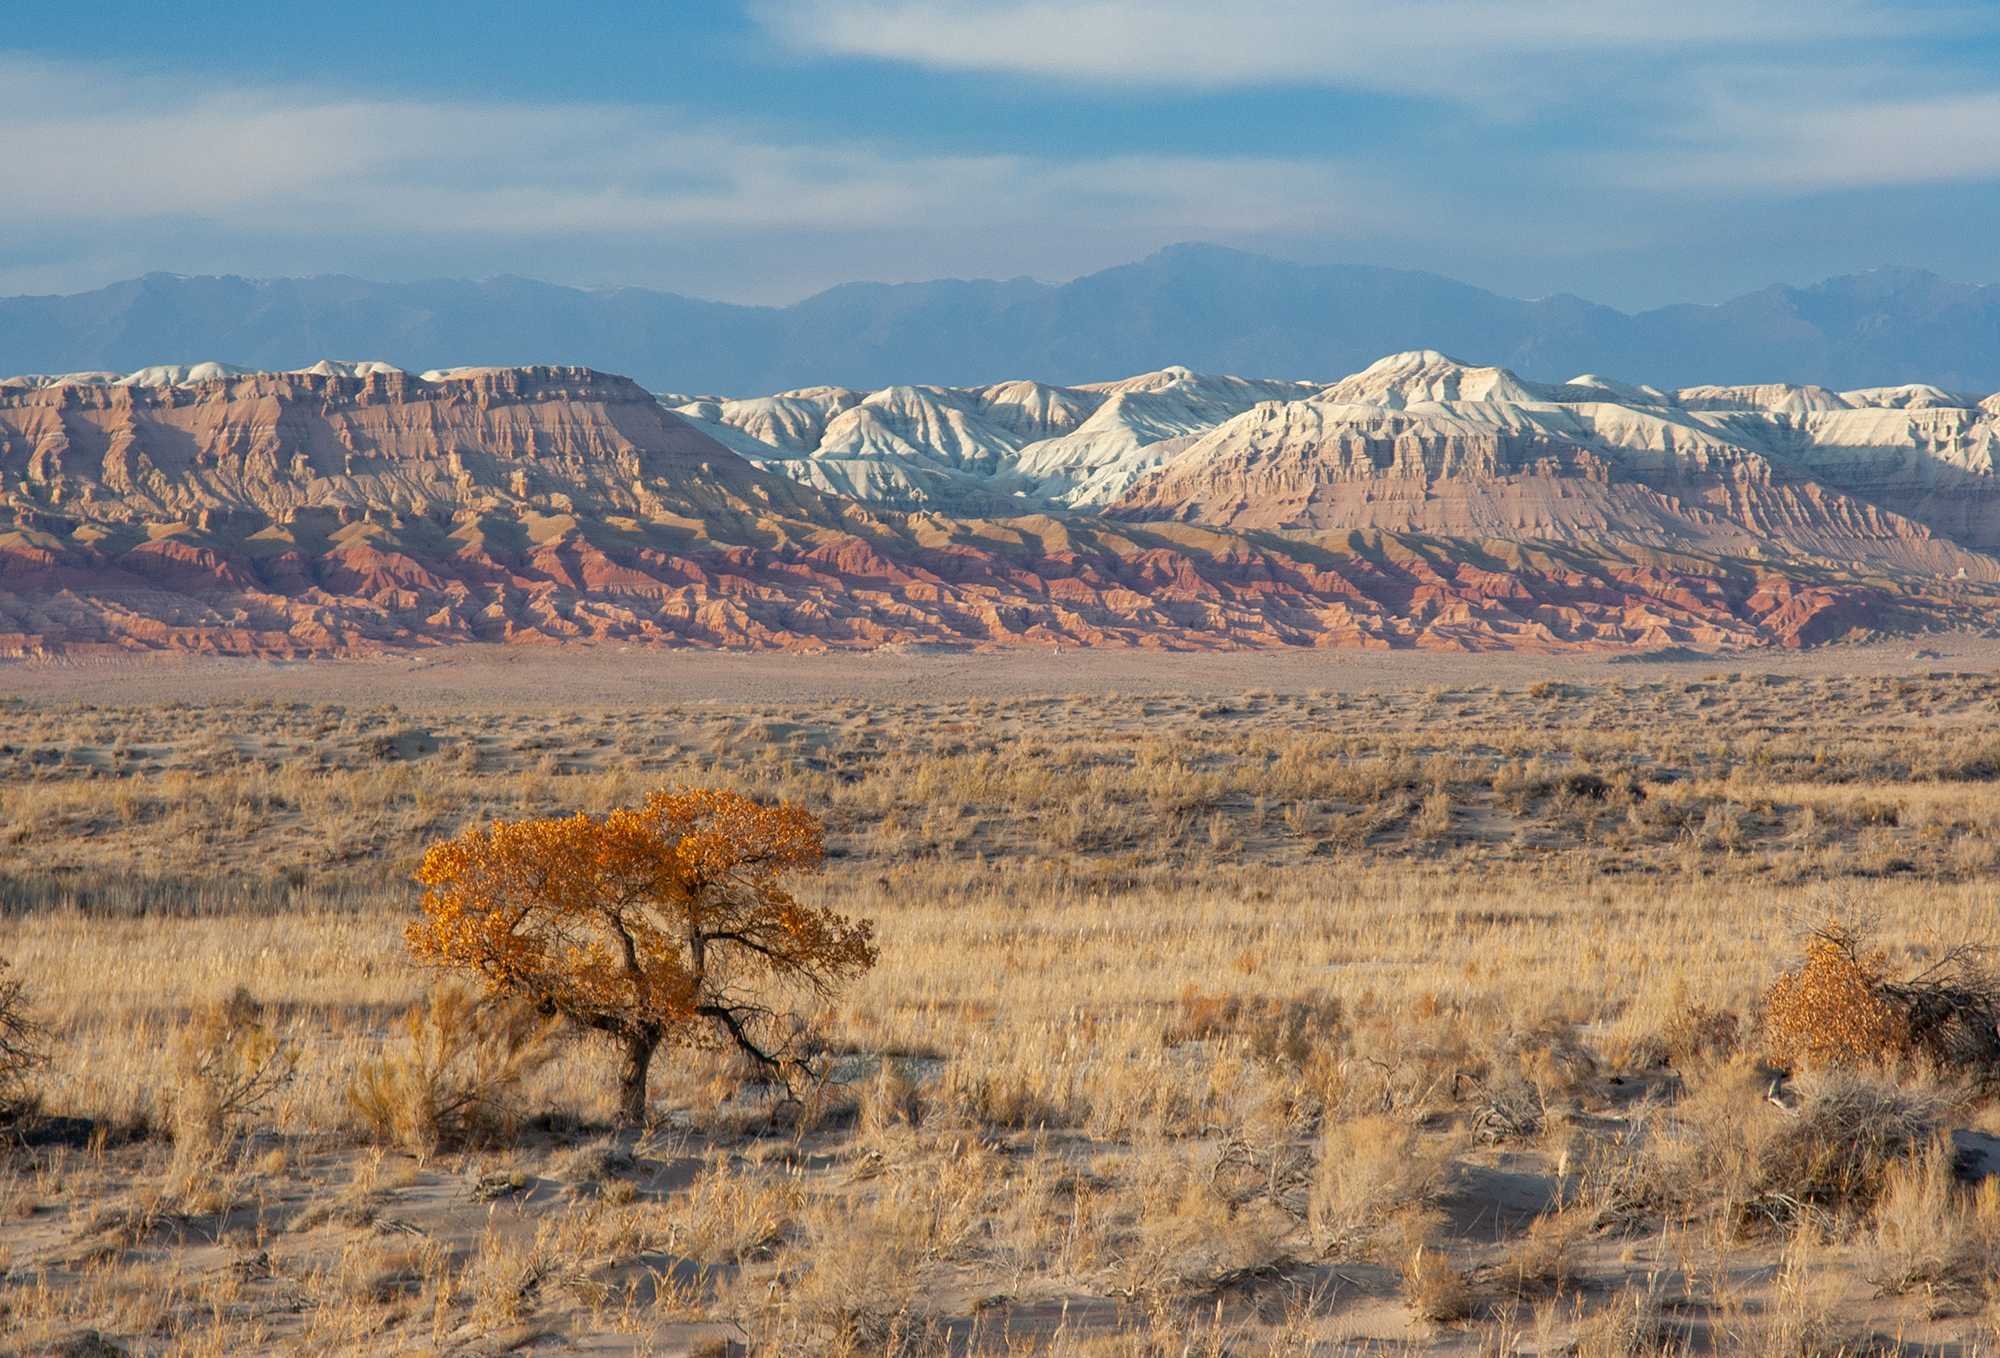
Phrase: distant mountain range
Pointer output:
(1199, 306)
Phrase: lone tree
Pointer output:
(664, 923)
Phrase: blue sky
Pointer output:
(1635, 153)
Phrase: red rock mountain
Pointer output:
(322, 513)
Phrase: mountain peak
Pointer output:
(1421, 375)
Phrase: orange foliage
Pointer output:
(1832, 1011)
(650, 924)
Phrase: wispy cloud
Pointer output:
(1423, 47)
(289, 160)
(1785, 136)
(1706, 96)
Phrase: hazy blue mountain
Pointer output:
(1200, 306)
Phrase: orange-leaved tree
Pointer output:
(666, 923)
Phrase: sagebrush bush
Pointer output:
(1699, 1032)
(454, 1079)
(1835, 1153)
(1703, 1150)
(1371, 1168)
(1435, 1289)
(1926, 1230)
(1292, 1031)
(226, 1063)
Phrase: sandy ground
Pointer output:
(608, 676)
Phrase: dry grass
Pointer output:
(1247, 1024)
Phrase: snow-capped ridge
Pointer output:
(188, 374)
(1624, 393)
(1912, 396)
(1774, 397)
(1421, 376)
(333, 367)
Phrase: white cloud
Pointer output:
(1426, 47)
(1789, 137)
(281, 160)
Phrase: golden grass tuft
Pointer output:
(455, 1077)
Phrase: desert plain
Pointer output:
(1273, 1003)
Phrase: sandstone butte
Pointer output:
(302, 515)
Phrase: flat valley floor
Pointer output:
(590, 675)
(1259, 1003)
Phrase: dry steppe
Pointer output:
(1227, 1005)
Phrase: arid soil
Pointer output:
(1252, 1004)
(595, 675)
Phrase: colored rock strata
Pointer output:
(353, 509)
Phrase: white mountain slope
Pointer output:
(1419, 442)
(1864, 475)
(968, 449)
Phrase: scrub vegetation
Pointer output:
(1645, 1016)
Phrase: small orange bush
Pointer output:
(1832, 1011)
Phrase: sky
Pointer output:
(760, 150)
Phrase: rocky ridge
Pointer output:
(351, 508)
(1877, 478)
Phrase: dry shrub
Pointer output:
(1699, 1033)
(1292, 1031)
(1435, 1289)
(1731, 1144)
(1189, 1236)
(1533, 1073)
(22, 1049)
(1705, 1151)
(1003, 1097)
(454, 1081)
(856, 1293)
(378, 1272)
(1434, 820)
(730, 1216)
(1802, 1317)
(1832, 1010)
(226, 1063)
(1953, 1013)
(891, 1099)
(1202, 1017)
(941, 1201)
(1635, 1323)
(1834, 1153)
(1371, 1168)
(1543, 1258)
(356, 1205)
(1554, 1061)
(599, 1162)
(1411, 1063)
(1926, 1231)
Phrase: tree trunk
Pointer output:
(632, 1078)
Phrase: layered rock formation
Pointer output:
(1895, 479)
(352, 507)
(1420, 443)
